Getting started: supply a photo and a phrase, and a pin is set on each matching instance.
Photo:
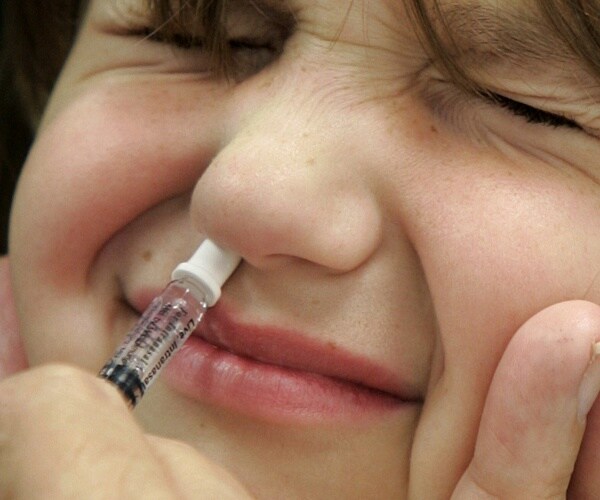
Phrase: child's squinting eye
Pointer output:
(249, 55)
(531, 114)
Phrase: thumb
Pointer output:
(534, 417)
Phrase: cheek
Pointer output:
(103, 160)
(504, 251)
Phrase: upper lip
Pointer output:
(294, 350)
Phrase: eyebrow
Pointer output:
(276, 11)
(488, 33)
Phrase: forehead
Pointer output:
(517, 27)
(515, 31)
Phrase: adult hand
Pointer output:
(530, 434)
(67, 434)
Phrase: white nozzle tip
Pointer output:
(209, 268)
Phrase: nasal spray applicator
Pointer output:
(169, 320)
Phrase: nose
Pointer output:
(286, 185)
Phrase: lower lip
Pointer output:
(220, 378)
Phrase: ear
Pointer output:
(12, 353)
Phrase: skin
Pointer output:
(454, 243)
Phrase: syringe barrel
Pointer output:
(162, 329)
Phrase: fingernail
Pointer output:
(590, 384)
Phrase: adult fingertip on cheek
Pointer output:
(590, 384)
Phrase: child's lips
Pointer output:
(289, 349)
(281, 374)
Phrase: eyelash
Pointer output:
(531, 114)
(186, 42)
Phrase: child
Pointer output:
(414, 190)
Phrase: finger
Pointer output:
(67, 434)
(585, 483)
(530, 431)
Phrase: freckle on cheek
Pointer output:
(147, 255)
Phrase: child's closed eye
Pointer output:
(247, 40)
(475, 110)
(530, 113)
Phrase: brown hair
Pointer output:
(37, 35)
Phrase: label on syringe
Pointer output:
(149, 337)
(155, 340)
(175, 332)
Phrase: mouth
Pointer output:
(281, 375)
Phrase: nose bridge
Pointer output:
(281, 186)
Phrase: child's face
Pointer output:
(395, 231)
